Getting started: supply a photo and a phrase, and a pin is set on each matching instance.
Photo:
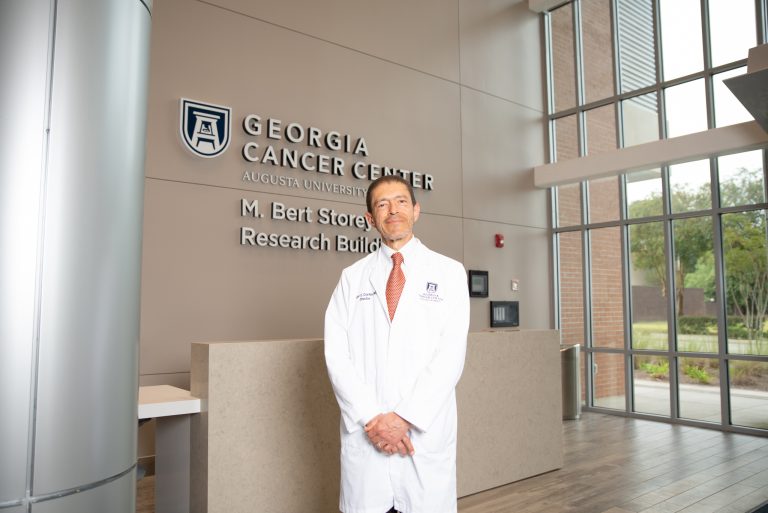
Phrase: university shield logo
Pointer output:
(205, 127)
(431, 287)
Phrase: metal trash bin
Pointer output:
(571, 369)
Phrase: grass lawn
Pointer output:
(653, 335)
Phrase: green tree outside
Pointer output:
(745, 251)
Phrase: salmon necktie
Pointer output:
(395, 284)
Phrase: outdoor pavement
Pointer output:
(698, 402)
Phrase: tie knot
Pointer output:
(397, 258)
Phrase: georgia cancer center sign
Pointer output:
(272, 147)
(205, 130)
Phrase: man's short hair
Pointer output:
(387, 179)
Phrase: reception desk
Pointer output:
(268, 437)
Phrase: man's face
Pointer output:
(394, 214)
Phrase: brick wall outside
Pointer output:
(567, 143)
(597, 49)
(572, 296)
(569, 205)
(604, 200)
(569, 196)
(607, 308)
(601, 129)
(609, 379)
(571, 289)
(605, 246)
(563, 64)
(607, 302)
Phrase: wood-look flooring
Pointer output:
(619, 465)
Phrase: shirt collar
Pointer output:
(408, 250)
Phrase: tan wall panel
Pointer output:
(337, 65)
(443, 234)
(409, 119)
(500, 50)
(175, 379)
(200, 284)
(525, 256)
(501, 143)
(422, 35)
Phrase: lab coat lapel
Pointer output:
(378, 278)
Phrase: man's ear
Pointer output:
(416, 212)
(370, 219)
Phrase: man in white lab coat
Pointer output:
(394, 354)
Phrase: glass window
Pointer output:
(640, 119)
(608, 380)
(749, 397)
(686, 108)
(603, 199)
(728, 109)
(690, 186)
(607, 292)
(643, 193)
(637, 50)
(745, 254)
(601, 129)
(598, 49)
(568, 196)
(571, 288)
(732, 29)
(569, 205)
(681, 41)
(650, 384)
(566, 138)
(694, 274)
(741, 178)
(699, 397)
(648, 279)
(563, 59)
(661, 229)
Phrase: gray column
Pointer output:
(73, 81)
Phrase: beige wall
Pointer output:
(453, 89)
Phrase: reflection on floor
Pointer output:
(620, 465)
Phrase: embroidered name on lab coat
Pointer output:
(431, 293)
(365, 296)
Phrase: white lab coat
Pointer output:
(409, 366)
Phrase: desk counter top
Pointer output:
(166, 400)
(508, 399)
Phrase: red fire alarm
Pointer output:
(499, 240)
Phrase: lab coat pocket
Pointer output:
(356, 442)
(431, 442)
(440, 437)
